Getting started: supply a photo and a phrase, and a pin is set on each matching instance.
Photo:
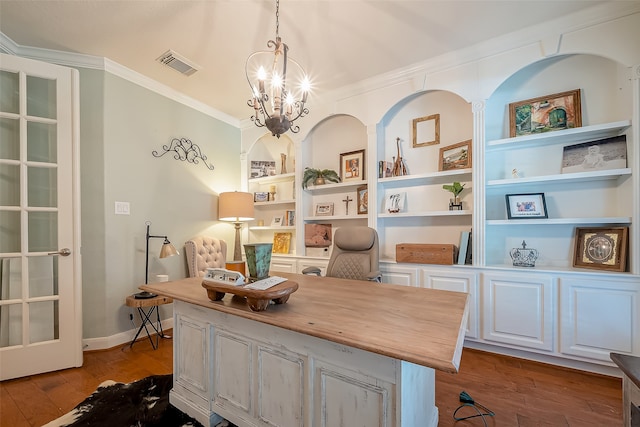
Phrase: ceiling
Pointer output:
(338, 42)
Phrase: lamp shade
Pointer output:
(235, 206)
(168, 249)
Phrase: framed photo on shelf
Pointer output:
(545, 114)
(324, 209)
(394, 202)
(426, 131)
(281, 242)
(456, 156)
(260, 168)
(363, 200)
(352, 166)
(317, 235)
(609, 153)
(261, 196)
(277, 221)
(526, 206)
(290, 218)
(601, 248)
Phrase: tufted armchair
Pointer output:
(205, 252)
(354, 255)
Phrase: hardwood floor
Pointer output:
(520, 392)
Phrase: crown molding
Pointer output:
(74, 60)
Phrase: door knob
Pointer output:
(62, 252)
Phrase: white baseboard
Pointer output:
(104, 343)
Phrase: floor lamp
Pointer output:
(236, 207)
(167, 250)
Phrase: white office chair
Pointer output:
(205, 252)
(354, 255)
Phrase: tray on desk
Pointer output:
(258, 300)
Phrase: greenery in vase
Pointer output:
(311, 175)
(455, 188)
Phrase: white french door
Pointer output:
(40, 298)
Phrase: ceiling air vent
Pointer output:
(178, 63)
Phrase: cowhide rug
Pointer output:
(143, 403)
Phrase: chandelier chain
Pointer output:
(277, 19)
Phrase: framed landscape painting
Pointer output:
(545, 114)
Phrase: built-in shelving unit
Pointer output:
(587, 198)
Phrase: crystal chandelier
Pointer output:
(276, 104)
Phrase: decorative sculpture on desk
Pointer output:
(523, 257)
(399, 167)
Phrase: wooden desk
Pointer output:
(339, 352)
(146, 307)
(630, 367)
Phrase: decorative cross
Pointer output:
(346, 201)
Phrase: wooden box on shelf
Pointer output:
(425, 253)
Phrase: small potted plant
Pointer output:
(318, 177)
(455, 189)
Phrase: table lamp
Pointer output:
(236, 207)
(167, 250)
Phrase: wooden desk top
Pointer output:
(630, 365)
(421, 326)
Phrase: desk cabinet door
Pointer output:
(191, 363)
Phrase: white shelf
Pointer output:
(335, 188)
(275, 202)
(275, 227)
(561, 221)
(334, 217)
(425, 178)
(427, 213)
(273, 178)
(561, 137)
(564, 178)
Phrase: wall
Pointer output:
(121, 124)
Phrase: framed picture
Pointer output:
(394, 202)
(317, 235)
(324, 209)
(456, 156)
(426, 131)
(526, 206)
(352, 166)
(609, 153)
(261, 196)
(601, 248)
(363, 200)
(277, 221)
(545, 114)
(290, 218)
(281, 242)
(260, 168)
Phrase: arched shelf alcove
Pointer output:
(332, 141)
(537, 163)
(442, 124)
(271, 179)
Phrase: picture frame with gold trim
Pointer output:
(601, 248)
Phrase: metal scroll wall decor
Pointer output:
(184, 150)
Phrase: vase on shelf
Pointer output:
(455, 204)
